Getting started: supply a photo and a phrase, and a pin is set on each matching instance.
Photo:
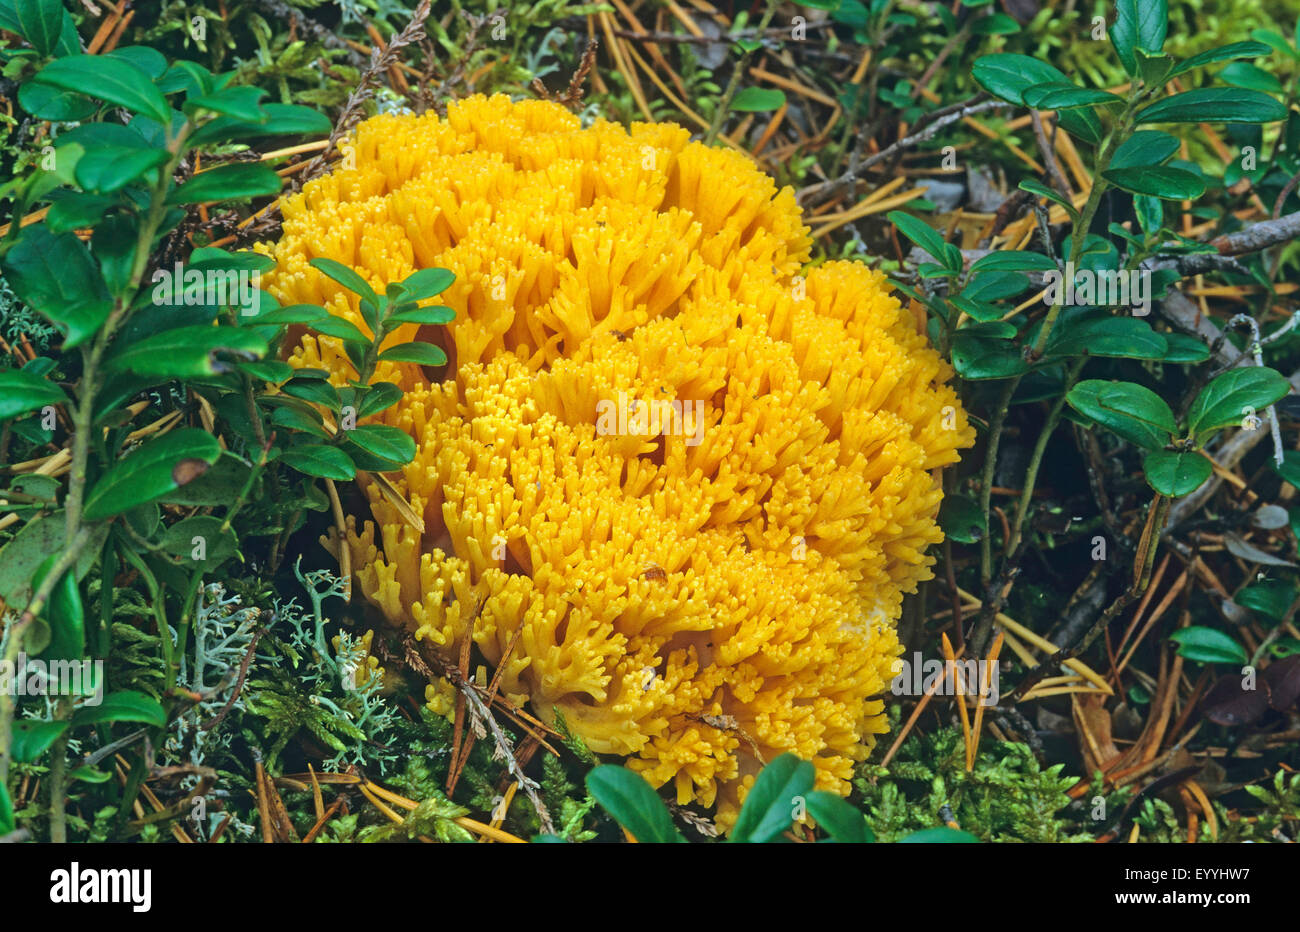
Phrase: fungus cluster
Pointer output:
(674, 483)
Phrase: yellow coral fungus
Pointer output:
(693, 477)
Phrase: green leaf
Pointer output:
(341, 329)
(1244, 74)
(227, 182)
(631, 802)
(347, 278)
(160, 466)
(1222, 53)
(1172, 184)
(57, 276)
(386, 443)
(1139, 24)
(22, 391)
(1014, 261)
(63, 613)
(1184, 348)
(40, 22)
(316, 391)
(994, 286)
(1115, 337)
(1270, 597)
(962, 520)
(282, 120)
(1056, 95)
(110, 79)
(1034, 186)
(186, 352)
(1176, 473)
(757, 100)
(770, 806)
(199, 542)
(1144, 149)
(841, 821)
(978, 357)
(922, 234)
(427, 283)
(425, 354)
(425, 315)
(1208, 645)
(1082, 124)
(291, 314)
(1214, 105)
(6, 810)
(126, 705)
(382, 395)
(54, 104)
(268, 370)
(242, 103)
(31, 739)
(295, 419)
(1008, 76)
(1232, 397)
(940, 835)
(321, 461)
(1136, 413)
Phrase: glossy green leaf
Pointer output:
(321, 461)
(122, 706)
(961, 519)
(186, 352)
(57, 276)
(33, 738)
(1134, 412)
(842, 821)
(757, 100)
(425, 315)
(1056, 95)
(922, 234)
(1034, 186)
(1144, 149)
(1013, 261)
(383, 442)
(161, 466)
(1115, 337)
(629, 799)
(110, 79)
(1222, 53)
(424, 354)
(939, 835)
(227, 182)
(1233, 397)
(63, 613)
(382, 395)
(769, 808)
(977, 357)
(346, 277)
(317, 391)
(22, 392)
(40, 22)
(1008, 76)
(1185, 349)
(1176, 473)
(1172, 184)
(1208, 645)
(1139, 24)
(1214, 105)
